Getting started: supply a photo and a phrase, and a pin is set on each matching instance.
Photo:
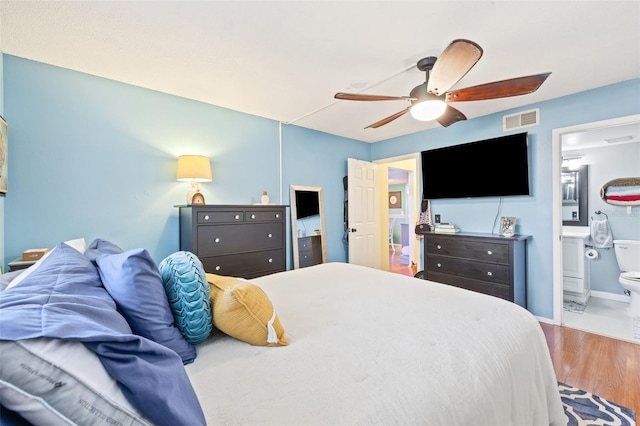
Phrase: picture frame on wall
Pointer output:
(395, 199)
(4, 156)
(507, 226)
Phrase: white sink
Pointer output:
(576, 231)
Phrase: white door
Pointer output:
(364, 213)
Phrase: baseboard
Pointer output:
(611, 296)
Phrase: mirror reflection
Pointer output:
(574, 196)
(307, 226)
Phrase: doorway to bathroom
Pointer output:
(608, 149)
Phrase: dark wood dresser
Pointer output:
(237, 240)
(486, 263)
(310, 250)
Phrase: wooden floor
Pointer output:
(398, 268)
(601, 365)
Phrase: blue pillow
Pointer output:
(133, 281)
(101, 247)
(188, 291)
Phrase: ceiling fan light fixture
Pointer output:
(428, 110)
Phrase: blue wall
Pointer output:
(316, 159)
(534, 212)
(91, 157)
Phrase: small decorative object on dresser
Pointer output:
(507, 226)
(197, 198)
(235, 240)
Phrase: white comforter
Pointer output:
(368, 347)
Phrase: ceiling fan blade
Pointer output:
(388, 119)
(499, 89)
(363, 97)
(450, 116)
(454, 62)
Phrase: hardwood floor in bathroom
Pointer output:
(601, 365)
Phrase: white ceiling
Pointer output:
(285, 60)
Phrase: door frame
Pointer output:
(556, 164)
(417, 184)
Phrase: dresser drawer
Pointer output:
(224, 216)
(262, 216)
(477, 250)
(219, 240)
(500, 290)
(484, 271)
(309, 257)
(246, 265)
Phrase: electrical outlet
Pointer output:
(437, 218)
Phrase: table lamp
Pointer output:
(194, 169)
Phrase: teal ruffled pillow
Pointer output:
(188, 292)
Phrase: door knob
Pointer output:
(353, 230)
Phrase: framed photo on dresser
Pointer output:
(507, 226)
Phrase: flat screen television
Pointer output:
(494, 167)
(307, 204)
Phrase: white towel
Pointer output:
(601, 234)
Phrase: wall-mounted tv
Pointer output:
(488, 168)
(307, 204)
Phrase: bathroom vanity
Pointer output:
(575, 266)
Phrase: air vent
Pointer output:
(521, 119)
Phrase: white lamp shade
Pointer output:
(194, 168)
(428, 110)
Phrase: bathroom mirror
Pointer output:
(574, 196)
(307, 226)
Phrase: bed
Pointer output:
(353, 346)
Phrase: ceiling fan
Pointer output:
(429, 100)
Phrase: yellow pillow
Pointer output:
(243, 310)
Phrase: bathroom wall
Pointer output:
(607, 163)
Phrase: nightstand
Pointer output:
(17, 264)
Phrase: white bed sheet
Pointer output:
(368, 347)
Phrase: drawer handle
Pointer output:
(489, 252)
(216, 240)
(277, 215)
(490, 273)
(237, 217)
(439, 265)
(206, 217)
(218, 268)
(270, 260)
(438, 246)
(253, 216)
(270, 235)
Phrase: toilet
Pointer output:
(628, 257)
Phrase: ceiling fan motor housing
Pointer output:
(420, 94)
